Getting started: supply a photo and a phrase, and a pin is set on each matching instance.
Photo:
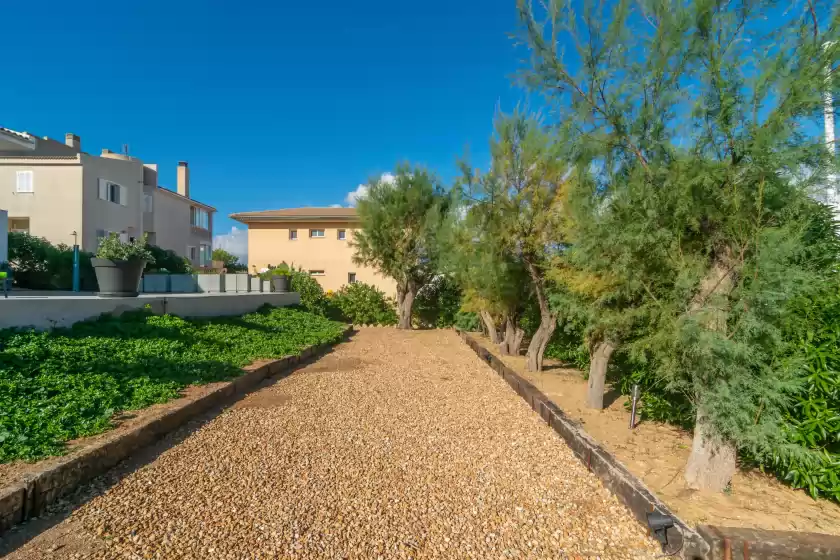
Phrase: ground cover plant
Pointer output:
(67, 383)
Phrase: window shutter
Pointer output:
(24, 182)
(103, 189)
(123, 196)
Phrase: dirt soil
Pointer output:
(395, 445)
(657, 454)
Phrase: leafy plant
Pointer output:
(363, 304)
(37, 264)
(467, 321)
(281, 269)
(437, 303)
(68, 383)
(167, 260)
(229, 260)
(312, 297)
(112, 248)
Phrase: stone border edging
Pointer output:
(708, 542)
(25, 499)
(614, 475)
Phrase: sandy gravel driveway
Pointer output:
(396, 445)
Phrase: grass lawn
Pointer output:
(68, 383)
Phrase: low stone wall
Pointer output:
(28, 498)
(63, 311)
(707, 542)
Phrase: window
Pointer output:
(316, 272)
(351, 277)
(342, 235)
(113, 192)
(292, 234)
(316, 233)
(148, 203)
(25, 182)
(204, 255)
(20, 225)
(199, 217)
(193, 253)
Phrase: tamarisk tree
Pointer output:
(524, 187)
(399, 218)
(691, 118)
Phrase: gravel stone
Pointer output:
(395, 445)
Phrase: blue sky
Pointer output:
(273, 104)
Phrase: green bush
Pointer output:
(112, 248)
(467, 321)
(363, 304)
(37, 264)
(437, 303)
(68, 383)
(312, 296)
(167, 260)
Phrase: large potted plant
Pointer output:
(280, 277)
(119, 265)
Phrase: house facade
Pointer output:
(57, 191)
(314, 239)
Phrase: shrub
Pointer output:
(437, 303)
(68, 383)
(167, 260)
(363, 304)
(281, 269)
(39, 265)
(312, 296)
(467, 321)
(112, 248)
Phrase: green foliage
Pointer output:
(813, 418)
(281, 269)
(399, 221)
(167, 260)
(231, 262)
(363, 304)
(39, 265)
(312, 297)
(684, 122)
(68, 383)
(467, 321)
(437, 303)
(112, 248)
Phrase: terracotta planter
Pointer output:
(118, 278)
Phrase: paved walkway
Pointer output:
(396, 445)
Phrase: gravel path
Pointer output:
(396, 445)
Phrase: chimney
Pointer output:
(183, 179)
(73, 141)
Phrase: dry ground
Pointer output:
(657, 454)
(396, 445)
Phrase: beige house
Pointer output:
(314, 239)
(53, 189)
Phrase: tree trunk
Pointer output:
(711, 464)
(539, 341)
(405, 300)
(490, 325)
(548, 321)
(512, 342)
(598, 362)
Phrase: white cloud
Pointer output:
(336, 206)
(235, 242)
(353, 196)
(361, 191)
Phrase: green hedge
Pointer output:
(363, 304)
(67, 383)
